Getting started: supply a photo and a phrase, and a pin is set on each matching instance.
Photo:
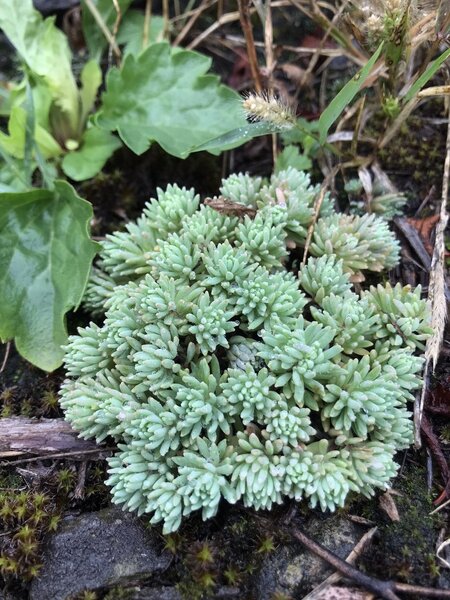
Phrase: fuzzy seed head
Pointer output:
(269, 109)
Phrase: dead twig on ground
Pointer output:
(79, 489)
(20, 436)
(351, 559)
(436, 294)
(434, 446)
(383, 589)
(101, 453)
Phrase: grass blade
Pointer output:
(345, 96)
(426, 76)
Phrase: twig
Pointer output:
(332, 52)
(315, 57)
(115, 29)
(204, 4)
(437, 276)
(244, 15)
(103, 27)
(317, 206)
(357, 130)
(440, 507)
(351, 559)
(317, 16)
(436, 292)
(166, 17)
(147, 21)
(12, 463)
(223, 20)
(433, 444)
(270, 64)
(79, 489)
(383, 589)
(5, 358)
(425, 201)
(398, 122)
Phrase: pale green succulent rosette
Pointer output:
(223, 375)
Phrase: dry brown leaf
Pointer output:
(360, 520)
(425, 228)
(387, 503)
(293, 72)
(227, 207)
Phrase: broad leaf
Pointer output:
(163, 95)
(95, 39)
(131, 32)
(14, 143)
(42, 99)
(11, 177)
(345, 96)
(91, 80)
(45, 258)
(97, 146)
(44, 48)
(291, 157)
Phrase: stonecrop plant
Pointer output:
(222, 373)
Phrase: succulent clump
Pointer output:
(221, 374)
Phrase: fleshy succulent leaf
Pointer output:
(216, 374)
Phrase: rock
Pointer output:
(159, 593)
(98, 550)
(171, 593)
(51, 6)
(293, 571)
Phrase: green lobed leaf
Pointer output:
(95, 39)
(45, 259)
(96, 147)
(131, 32)
(345, 96)
(291, 157)
(44, 49)
(164, 95)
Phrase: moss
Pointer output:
(225, 552)
(25, 518)
(26, 391)
(405, 550)
(415, 155)
(28, 515)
